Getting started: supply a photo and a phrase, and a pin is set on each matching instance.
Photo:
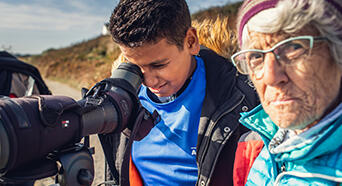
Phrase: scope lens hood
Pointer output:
(4, 146)
(131, 68)
(130, 73)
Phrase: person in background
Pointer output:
(292, 51)
(218, 35)
(197, 93)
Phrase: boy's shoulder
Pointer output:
(209, 56)
(221, 72)
(216, 66)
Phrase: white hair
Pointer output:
(290, 16)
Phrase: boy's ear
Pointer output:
(191, 41)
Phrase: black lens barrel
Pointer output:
(103, 119)
(33, 127)
(4, 146)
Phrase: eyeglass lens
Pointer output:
(287, 53)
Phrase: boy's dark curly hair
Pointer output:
(137, 22)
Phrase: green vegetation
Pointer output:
(87, 62)
(227, 10)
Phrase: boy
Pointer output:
(197, 93)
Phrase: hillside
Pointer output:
(83, 64)
(79, 65)
(229, 10)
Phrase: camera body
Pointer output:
(38, 131)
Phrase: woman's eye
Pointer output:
(255, 59)
(255, 56)
(293, 50)
(294, 46)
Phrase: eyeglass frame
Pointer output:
(263, 52)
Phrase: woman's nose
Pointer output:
(274, 72)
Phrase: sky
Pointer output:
(32, 26)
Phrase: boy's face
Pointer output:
(164, 65)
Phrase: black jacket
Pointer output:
(227, 94)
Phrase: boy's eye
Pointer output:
(158, 65)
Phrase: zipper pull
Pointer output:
(283, 167)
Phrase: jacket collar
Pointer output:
(319, 140)
(257, 120)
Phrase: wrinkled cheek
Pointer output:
(265, 104)
(272, 112)
(315, 99)
(284, 116)
(285, 119)
(260, 89)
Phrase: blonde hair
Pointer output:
(217, 35)
(120, 59)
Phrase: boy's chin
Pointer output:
(161, 93)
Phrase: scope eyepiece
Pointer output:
(129, 72)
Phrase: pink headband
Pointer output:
(250, 8)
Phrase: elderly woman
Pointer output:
(292, 51)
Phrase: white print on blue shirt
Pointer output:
(193, 151)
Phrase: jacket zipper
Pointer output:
(283, 168)
(211, 127)
(307, 175)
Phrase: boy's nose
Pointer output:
(150, 79)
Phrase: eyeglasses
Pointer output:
(287, 52)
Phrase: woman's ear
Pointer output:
(191, 41)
